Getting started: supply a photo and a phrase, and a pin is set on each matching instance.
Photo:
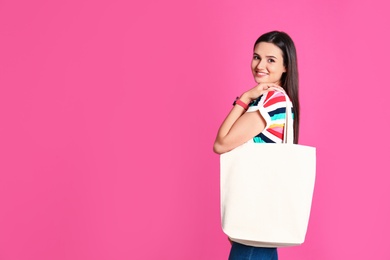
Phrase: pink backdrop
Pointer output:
(109, 109)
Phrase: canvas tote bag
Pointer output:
(267, 189)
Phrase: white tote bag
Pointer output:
(266, 191)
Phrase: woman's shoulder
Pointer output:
(274, 98)
(270, 98)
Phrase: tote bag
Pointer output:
(267, 189)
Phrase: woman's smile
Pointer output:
(260, 74)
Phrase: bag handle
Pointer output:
(288, 135)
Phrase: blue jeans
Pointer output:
(243, 252)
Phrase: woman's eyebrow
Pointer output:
(268, 56)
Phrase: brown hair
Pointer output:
(289, 80)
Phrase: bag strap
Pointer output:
(288, 135)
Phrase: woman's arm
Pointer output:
(239, 126)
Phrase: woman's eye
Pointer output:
(271, 60)
(255, 57)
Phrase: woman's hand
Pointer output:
(259, 90)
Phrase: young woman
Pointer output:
(258, 114)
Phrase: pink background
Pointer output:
(109, 109)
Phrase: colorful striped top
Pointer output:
(272, 107)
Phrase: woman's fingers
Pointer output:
(260, 89)
(276, 87)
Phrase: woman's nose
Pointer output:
(261, 64)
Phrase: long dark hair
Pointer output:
(289, 80)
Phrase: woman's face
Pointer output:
(267, 63)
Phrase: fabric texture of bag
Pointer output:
(267, 190)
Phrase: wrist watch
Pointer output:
(240, 103)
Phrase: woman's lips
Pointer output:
(261, 74)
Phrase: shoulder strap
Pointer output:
(288, 136)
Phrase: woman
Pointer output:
(258, 114)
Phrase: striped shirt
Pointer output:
(272, 107)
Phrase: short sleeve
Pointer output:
(272, 107)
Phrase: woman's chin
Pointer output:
(258, 81)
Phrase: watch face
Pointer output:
(234, 103)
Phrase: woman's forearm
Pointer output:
(235, 113)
